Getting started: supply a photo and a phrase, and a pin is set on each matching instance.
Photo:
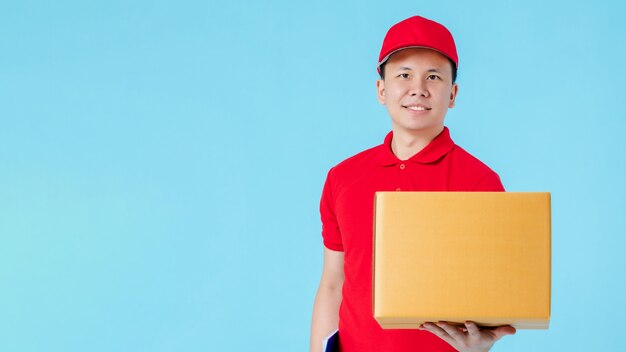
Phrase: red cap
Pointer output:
(418, 32)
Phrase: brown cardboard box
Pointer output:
(458, 256)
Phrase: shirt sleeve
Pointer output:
(489, 183)
(330, 227)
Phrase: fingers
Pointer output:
(444, 331)
(431, 327)
(471, 336)
(503, 330)
(472, 329)
(434, 329)
(451, 330)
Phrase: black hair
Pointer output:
(382, 70)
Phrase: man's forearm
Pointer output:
(325, 314)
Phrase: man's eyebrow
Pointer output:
(405, 68)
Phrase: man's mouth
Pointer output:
(417, 107)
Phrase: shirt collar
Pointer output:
(435, 150)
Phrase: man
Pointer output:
(417, 66)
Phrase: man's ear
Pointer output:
(455, 90)
(380, 89)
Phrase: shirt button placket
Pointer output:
(402, 167)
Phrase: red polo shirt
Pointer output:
(347, 223)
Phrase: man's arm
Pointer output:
(328, 299)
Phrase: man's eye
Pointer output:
(403, 75)
(433, 77)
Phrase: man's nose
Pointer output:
(419, 88)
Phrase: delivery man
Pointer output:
(417, 66)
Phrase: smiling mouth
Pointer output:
(417, 108)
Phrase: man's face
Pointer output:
(417, 90)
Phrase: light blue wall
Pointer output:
(161, 162)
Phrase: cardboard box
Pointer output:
(458, 256)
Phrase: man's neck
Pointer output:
(406, 144)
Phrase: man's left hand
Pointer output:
(468, 339)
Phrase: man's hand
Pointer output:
(468, 339)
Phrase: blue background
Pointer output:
(161, 162)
